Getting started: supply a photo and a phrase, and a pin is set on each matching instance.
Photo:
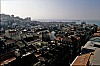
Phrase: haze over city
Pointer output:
(53, 9)
(50, 33)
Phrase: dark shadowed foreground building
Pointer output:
(28, 60)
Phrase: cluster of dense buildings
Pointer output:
(11, 21)
(90, 52)
(31, 43)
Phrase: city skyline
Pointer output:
(53, 9)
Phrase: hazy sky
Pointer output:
(53, 9)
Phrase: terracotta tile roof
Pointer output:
(7, 61)
(96, 34)
(81, 60)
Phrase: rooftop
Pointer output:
(95, 39)
(96, 34)
(7, 61)
(81, 60)
(96, 59)
(90, 45)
